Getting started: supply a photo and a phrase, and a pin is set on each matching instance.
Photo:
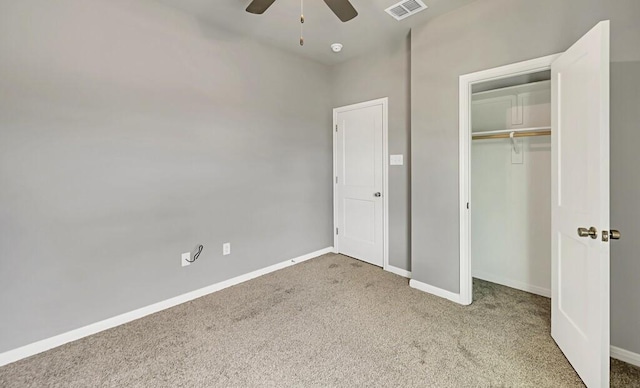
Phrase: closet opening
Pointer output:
(506, 179)
(511, 182)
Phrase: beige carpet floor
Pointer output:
(331, 321)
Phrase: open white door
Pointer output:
(580, 199)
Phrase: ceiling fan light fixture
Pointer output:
(342, 8)
(336, 47)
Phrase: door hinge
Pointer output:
(336, 180)
(336, 127)
(467, 205)
(336, 230)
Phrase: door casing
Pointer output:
(385, 172)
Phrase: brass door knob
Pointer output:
(615, 234)
(591, 232)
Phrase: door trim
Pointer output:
(466, 83)
(385, 172)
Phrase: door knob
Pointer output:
(591, 232)
(613, 234)
(378, 194)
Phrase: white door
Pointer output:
(359, 182)
(580, 199)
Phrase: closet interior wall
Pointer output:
(511, 189)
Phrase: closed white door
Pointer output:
(359, 182)
(580, 199)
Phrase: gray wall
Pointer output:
(625, 210)
(385, 73)
(490, 33)
(129, 133)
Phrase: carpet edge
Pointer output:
(43, 345)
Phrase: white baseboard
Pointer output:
(435, 291)
(399, 271)
(73, 335)
(625, 355)
(513, 284)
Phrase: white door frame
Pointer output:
(466, 83)
(385, 172)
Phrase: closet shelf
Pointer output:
(506, 133)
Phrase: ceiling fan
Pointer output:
(342, 8)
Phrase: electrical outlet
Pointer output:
(185, 259)
(226, 249)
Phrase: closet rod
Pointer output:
(506, 135)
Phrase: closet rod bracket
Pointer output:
(514, 143)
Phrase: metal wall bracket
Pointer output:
(514, 143)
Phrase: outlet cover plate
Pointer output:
(185, 258)
(226, 249)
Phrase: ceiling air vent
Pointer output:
(406, 8)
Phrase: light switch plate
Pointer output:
(396, 160)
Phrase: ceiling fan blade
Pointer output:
(343, 9)
(259, 6)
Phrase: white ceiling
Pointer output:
(280, 25)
